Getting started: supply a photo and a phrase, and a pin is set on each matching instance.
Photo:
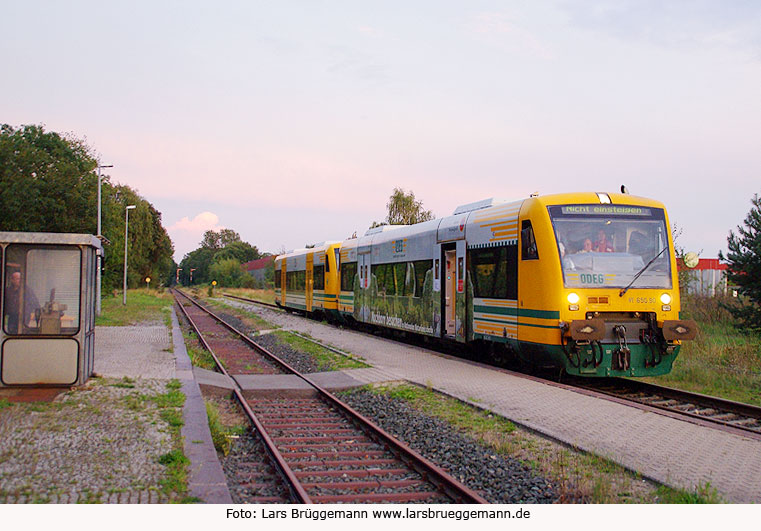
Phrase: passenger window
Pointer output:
(528, 242)
(42, 290)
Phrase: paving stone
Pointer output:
(671, 451)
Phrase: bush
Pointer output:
(228, 272)
(708, 310)
(744, 268)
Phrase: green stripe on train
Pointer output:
(520, 312)
(508, 323)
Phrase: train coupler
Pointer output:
(622, 356)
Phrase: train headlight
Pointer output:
(665, 298)
(573, 299)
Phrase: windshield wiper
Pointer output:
(621, 293)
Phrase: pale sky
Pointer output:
(291, 122)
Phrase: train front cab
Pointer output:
(575, 311)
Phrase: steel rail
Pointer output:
(267, 304)
(416, 461)
(697, 399)
(619, 388)
(292, 481)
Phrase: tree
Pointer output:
(48, 184)
(219, 240)
(241, 251)
(403, 209)
(744, 267)
(228, 273)
(214, 258)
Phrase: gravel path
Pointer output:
(496, 478)
(303, 363)
(97, 443)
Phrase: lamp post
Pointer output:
(126, 234)
(100, 256)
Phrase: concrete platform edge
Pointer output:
(206, 479)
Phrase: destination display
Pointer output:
(605, 210)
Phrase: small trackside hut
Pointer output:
(47, 308)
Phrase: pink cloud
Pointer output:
(187, 233)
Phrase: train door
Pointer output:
(362, 300)
(283, 280)
(460, 291)
(309, 281)
(450, 289)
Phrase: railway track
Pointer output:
(244, 299)
(323, 450)
(734, 416)
(726, 414)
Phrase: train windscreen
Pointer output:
(606, 246)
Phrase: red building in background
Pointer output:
(257, 268)
(707, 278)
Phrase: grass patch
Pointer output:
(142, 306)
(327, 360)
(250, 319)
(170, 411)
(703, 493)
(177, 472)
(125, 383)
(4, 402)
(199, 356)
(172, 398)
(579, 477)
(454, 412)
(222, 436)
(172, 417)
(722, 360)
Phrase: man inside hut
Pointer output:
(13, 302)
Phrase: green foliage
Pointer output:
(403, 209)
(48, 183)
(240, 251)
(142, 306)
(722, 360)
(744, 271)
(228, 272)
(219, 240)
(216, 248)
(702, 494)
(220, 436)
(326, 359)
(177, 471)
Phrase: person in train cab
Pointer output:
(602, 245)
(587, 247)
(13, 303)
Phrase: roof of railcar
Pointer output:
(298, 252)
(593, 198)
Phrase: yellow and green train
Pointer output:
(585, 282)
